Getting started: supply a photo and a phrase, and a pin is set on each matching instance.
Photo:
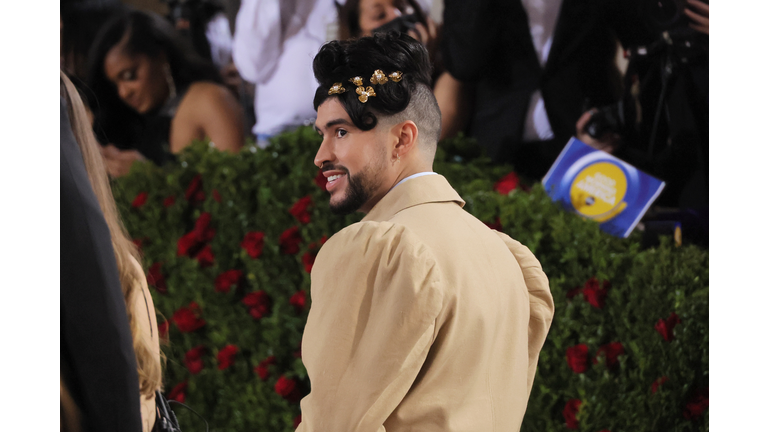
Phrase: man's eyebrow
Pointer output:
(338, 121)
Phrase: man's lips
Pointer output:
(333, 177)
(331, 172)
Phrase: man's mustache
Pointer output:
(331, 167)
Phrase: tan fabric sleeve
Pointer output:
(375, 299)
(542, 304)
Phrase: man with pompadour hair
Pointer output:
(422, 317)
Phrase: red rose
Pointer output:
(162, 329)
(507, 184)
(177, 393)
(697, 404)
(190, 243)
(193, 359)
(169, 201)
(656, 384)
(569, 412)
(262, 370)
(298, 301)
(578, 357)
(290, 240)
(187, 319)
(320, 180)
(253, 243)
(594, 294)
(195, 191)
(495, 225)
(612, 351)
(297, 421)
(285, 386)
(187, 243)
(205, 257)
(258, 303)
(308, 259)
(156, 279)
(226, 280)
(665, 326)
(226, 356)
(140, 200)
(203, 228)
(299, 210)
(216, 196)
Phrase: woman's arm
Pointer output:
(455, 100)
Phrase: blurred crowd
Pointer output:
(520, 77)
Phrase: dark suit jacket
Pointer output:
(98, 364)
(488, 43)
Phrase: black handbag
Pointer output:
(166, 419)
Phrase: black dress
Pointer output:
(148, 134)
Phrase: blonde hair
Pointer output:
(149, 368)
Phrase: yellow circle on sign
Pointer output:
(598, 191)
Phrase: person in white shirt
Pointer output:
(273, 47)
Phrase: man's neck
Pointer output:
(406, 172)
(411, 170)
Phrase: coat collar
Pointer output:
(415, 191)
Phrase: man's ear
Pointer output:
(406, 134)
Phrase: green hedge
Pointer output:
(228, 241)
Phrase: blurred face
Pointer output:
(376, 13)
(355, 162)
(139, 80)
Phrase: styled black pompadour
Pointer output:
(409, 99)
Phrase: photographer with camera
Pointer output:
(661, 125)
(358, 18)
(524, 70)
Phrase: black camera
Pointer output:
(610, 118)
(401, 24)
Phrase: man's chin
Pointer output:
(342, 208)
(345, 205)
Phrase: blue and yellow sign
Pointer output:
(601, 187)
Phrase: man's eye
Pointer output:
(340, 133)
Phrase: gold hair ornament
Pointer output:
(365, 93)
(396, 76)
(336, 89)
(378, 78)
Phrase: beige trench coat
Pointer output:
(423, 319)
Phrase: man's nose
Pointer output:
(324, 154)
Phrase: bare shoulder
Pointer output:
(207, 102)
(206, 93)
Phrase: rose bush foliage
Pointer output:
(228, 242)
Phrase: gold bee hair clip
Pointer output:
(378, 77)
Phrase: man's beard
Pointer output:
(360, 189)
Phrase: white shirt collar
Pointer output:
(414, 176)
